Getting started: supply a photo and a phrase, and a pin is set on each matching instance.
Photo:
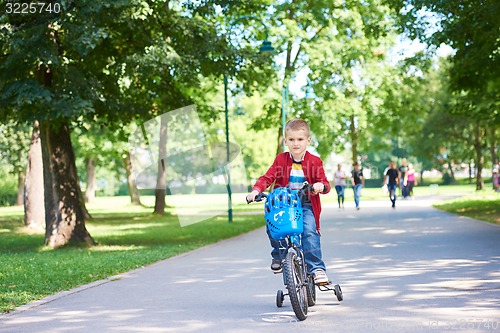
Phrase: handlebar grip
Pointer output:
(306, 187)
(259, 197)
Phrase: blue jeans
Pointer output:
(357, 193)
(340, 193)
(311, 243)
(404, 189)
(392, 189)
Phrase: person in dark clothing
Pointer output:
(391, 179)
(357, 181)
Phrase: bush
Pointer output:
(8, 190)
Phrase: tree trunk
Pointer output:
(470, 172)
(453, 181)
(161, 179)
(493, 151)
(34, 209)
(280, 141)
(64, 215)
(478, 146)
(132, 186)
(91, 180)
(86, 214)
(21, 180)
(354, 140)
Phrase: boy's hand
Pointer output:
(318, 187)
(251, 196)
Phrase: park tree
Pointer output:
(78, 62)
(443, 131)
(59, 67)
(20, 149)
(34, 208)
(471, 29)
(343, 46)
(194, 45)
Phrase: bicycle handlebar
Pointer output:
(259, 197)
(306, 188)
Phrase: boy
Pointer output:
(292, 169)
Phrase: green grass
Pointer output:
(128, 237)
(480, 206)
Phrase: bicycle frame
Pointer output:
(293, 243)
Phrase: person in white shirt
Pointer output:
(339, 179)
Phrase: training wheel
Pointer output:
(338, 292)
(280, 297)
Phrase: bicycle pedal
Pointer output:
(324, 283)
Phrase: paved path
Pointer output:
(413, 269)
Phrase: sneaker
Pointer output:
(320, 277)
(276, 265)
(357, 208)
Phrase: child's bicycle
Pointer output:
(283, 212)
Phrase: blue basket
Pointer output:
(283, 213)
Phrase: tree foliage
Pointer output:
(470, 27)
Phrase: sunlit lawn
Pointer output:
(483, 205)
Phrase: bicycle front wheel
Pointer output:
(296, 284)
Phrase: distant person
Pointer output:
(339, 179)
(403, 181)
(391, 179)
(357, 181)
(411, 180)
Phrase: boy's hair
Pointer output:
(297, 124)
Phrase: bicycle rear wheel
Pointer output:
(296, 284)
(311, 291)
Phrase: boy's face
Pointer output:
(297, 142)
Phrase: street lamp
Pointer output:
(284, 111)
(265, 48)
(310, 96)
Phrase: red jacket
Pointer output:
(280, 172)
